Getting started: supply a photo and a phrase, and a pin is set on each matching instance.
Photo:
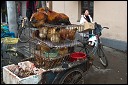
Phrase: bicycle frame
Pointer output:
(96, 45)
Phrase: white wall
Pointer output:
(11, 10)
(114, 15)
(70, 8)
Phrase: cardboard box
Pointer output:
(89, 26)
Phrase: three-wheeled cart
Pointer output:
(62, 65)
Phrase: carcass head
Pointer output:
(38, 18)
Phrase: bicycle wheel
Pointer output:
(73, 76)
(23, 34)
(102, 56)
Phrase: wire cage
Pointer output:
(9, 44)
(51, 45)
(50, 55)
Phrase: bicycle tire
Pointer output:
(23, 38)
(75, 79)
(102, 56)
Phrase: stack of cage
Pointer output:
(48, 53)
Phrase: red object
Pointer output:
(77, 55)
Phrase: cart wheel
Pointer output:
(73, 76)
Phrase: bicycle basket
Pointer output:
(97, 29)
(9, 40)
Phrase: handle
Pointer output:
(106, 27)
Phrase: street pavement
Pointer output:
(115, 73)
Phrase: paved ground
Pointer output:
(115, 73)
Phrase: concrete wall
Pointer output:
(11, 12)
(114, 15)
(23, 8)
(70, 8)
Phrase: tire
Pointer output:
(102, 56)
(73, 76)
(23, 34)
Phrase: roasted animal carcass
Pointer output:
(63, 34)
(42, 47)
(63, 51)
(38, 19)
(51, 31)
(35, 34)
(67, 34)
(45, 15)
(43, 32)
(55, 35)
(71, 34)
(60, 35)
(40, 33)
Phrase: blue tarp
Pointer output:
(6, 33)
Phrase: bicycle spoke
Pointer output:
(72, 77)
(102, 56)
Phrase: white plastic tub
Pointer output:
(10, 78)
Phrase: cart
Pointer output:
(60, 67)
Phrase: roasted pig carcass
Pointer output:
(63, 34)
(71, 33)
(45, 15)
(43, 32)
(55, 37)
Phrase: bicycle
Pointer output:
(23, 30)
(92, 46)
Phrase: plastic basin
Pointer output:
(77, 55)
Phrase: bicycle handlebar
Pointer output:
(106, 27)
(101, 30)
(96, 33)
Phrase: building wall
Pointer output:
(114, 15)
(107, 13)
(70, 8)
(24, 8)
